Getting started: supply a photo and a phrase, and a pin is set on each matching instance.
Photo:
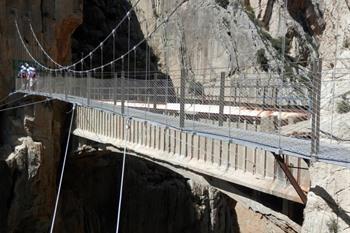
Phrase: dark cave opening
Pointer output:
(99, 19)
(307, 15)
(155, 199)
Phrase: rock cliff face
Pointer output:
(328, 205)
(53, 21)
(210, 35)
(30, 152)
(203, 37)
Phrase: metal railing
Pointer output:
(217, 103)
(283, 114)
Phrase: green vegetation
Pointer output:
(223, 3)
(226, 22)
(343, 106)
(195, 88)
(261, 59)
(333, 226)
(346, 43)
(276, 42)
(250, 10)
(251, 14)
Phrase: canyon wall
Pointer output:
(204, 37)
(31, 146)
(209, 36)
(328, 205)
(53, 21)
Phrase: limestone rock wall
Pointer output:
(100, 18)
(30, 153)
(227, 35)
(328, 206)
(53, 21)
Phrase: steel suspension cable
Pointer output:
(147, 82)
(24, 105)
(144, 39)
(27, 50)
(114, 75)
(126, 136)
(61, 67)
(11, 101)
(107, 64)
(134, 73)
(62, 171)
(114, 59)
(5, 98)
(101, 78)
(129, 37)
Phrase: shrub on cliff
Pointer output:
(343, 106)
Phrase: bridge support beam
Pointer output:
(290, 177)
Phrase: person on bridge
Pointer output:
(32, 78)
(23, 75)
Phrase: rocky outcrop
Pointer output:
(308, 14)
(230, 36)
(328, 206)
(255, 220)
(31, 141)
(6, 193)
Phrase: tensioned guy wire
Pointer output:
(111, 62)
(24, 105)
(128, 75)
(61, 67)
(62, 171)
(126, 136)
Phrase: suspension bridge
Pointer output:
(260, 130)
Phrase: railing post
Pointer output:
(115, 76)
(222, 99)
(88, 88)
(50, 84)
(182, 98)
(65, 87)
(69, 83)
(123, 93)
(73, 81)
(155, 91)
(316, 102)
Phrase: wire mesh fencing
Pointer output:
(260, 108)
